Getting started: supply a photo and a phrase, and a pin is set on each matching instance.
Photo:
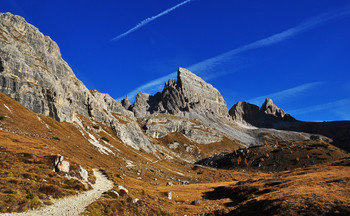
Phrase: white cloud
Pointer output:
(285, 94)
(149, 19)
(209, 66)
(333, 106)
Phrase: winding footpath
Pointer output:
(72, 205)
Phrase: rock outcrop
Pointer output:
(189, 93)
(160, 125)
(267, 116)
(33, 72)
(61, 165)
(270, 108)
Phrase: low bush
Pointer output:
(56, 138)
(105, 139)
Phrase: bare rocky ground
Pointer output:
(73, 205)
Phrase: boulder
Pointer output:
(169, 195)
(196, 202)
(63, 166)
(115, 193)
(83, 173)
(60, 164)
(122, 190)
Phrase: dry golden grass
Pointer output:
(23, 132)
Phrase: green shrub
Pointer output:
(2, 117)
(105, 139)
(56, 138)
(96, 127)
(30, 196)
(195, 167)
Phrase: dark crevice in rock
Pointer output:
(88, 105)
(1, 65)
(50, 97)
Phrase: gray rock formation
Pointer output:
(188, 94)
(61, 165)
(159, 125)
(126, 103)
(245, 112)
(268, 115)
(270, 108)
(145, 104)
(33, 72)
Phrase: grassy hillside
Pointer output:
(29, 141)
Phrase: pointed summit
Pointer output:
(271, 109)
(267, 116)
(189, 93)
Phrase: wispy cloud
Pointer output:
(210, 65)
(285, 94)
(334, 105)
(149, 19)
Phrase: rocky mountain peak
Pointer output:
(33, 73)
(189, 93)
(126, 103)
(271, 109)
(267, 116)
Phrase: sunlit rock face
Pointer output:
(33, 72)
(189, 93)
(267, 115)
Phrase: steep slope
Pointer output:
(267, 116)
(189, 93)
(148, 153)
(270, 116)
(34, 74)
(192, 98)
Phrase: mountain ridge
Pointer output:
(34, 74)
(148, 149)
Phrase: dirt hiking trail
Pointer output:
(75, 205)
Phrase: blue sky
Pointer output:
(296, 52)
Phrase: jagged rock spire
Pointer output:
(188, 93)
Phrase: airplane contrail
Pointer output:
(209, 65)
(149, 19)
(286, 93)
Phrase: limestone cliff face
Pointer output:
(199, 95)
(33, 72)
(189, 93)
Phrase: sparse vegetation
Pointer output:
(265, 143)
(195, 167)
(105, 139)
(96, 127)
(26, 168)
(56, 138)
(30, 182)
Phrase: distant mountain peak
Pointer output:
(188, 93)
(268, 114)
